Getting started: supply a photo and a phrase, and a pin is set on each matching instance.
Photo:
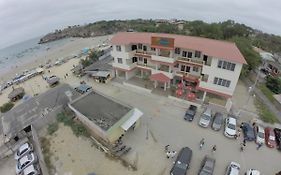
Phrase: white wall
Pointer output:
(213, 71)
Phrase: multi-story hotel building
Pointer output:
(213, 66)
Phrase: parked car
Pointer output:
(217, 122)
(230, 127)
(269, 137)
(259, 133)
(83, 88)
(190, 113)
(23, 150)
(32, 169)
(25, 161)
(252, 172)
(182, 162)
(248, 131)
(233, 169)
(205, 118)
(277, 133)
(207, 166)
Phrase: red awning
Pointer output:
(159, 77)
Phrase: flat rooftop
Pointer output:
(103, 111)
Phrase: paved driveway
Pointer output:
(163, 124)
(8, 166)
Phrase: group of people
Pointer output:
(170, 154)
(202, 142)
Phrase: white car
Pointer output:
(259, 132)
(205, 118)
(31, 170)
(253, 172)
(230, 127)
(24, 162)
(23, 150)
(233, 169)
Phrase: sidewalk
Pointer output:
(264, 99)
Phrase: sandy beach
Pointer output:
(37, 85)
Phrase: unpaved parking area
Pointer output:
(8, 166)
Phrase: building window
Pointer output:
(144, 48)
(176, 65)
(222, 82)
(226, 65)
(189, 55)
(184, 53)
(119, 60)
(118, 48)
(182, 68)
(140, 46)
(195, 69)
(187, 69)
(134, 47)
(197, 54)
(134, 59)
(140, 59)
(177, 50)
(152, 49)
(145, 61)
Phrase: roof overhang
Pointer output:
(136, 115)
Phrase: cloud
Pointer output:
(25, 19)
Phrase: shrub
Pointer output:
(265, 114)
(79, 130)
(274, 84)
(6, 107)
(52, 128)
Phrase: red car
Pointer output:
(269, 137)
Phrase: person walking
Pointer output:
(167, 148)
(214, 149)
(242, 147)
(173, 154)
(202, 142)
(168, 154)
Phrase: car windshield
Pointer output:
(181, 165)
(231, 126)
(189, 112)
(206, 117)
(261, 135)
(217, 120)
(271, 137)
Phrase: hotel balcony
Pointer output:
(190, 61)
(187, 75)
(146, 54)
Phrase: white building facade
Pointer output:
(213, 66)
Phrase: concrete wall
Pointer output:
(38, 151)
(96, 130)
(213, 71)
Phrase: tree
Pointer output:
(274, 84)
(6, 107)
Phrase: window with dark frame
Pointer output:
(187, 69)
(145, 61)
(140, 59)
(152, 49)
(177, 50)
(222, 82)
(144, 48)
(195, 69)
(182, 68)
(140, 46)
(226, 65)
(119, 60)
(118, 48)
(189, 54)
(197, 54)
(184, 53)
(134, 59)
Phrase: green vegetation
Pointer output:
(265, 114)
(274, 84)
(91, 58)
(6, 107)
(52, 128)
(77, 128)
(46, 145)
(267, 92)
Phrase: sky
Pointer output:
(25, 19)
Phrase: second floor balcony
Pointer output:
(190, 61)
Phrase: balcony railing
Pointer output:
(145, 53)
(188, 75)
(191, 61)
(146, 65)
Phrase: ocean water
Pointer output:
(25, 51)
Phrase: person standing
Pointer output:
(202, 142)
(168, 154)
(173, 154)
(214, 149)
(167, 148)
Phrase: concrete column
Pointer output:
(204, 95)
(170, 69)
(157, 52)
(169, 84)
(165, 84)
(126, 76)
(155, 84)
(141, 73)
(171, 54)
(156, 66)
(116, 72)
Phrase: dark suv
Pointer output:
(190, 113)
(207, 166)
(182, 162)
(277, 133)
